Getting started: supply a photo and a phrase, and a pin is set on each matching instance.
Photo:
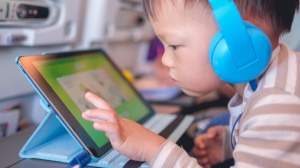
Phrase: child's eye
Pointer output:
(174, 47)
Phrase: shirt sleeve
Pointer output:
(171, 155)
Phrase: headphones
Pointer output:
(240, 52)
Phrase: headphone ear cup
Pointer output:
(224, 65)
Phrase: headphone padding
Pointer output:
(224, 65)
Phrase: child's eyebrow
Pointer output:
(162, 35)
(167, 35)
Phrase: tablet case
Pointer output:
(52, 141)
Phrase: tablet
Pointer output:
(62, 79)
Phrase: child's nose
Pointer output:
(167, 60)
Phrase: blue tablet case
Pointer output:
(53, 141)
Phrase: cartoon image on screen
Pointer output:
(97, 81)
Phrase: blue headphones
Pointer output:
(240, 52)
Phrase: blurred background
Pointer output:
(30, 27)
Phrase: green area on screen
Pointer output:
(72, 77)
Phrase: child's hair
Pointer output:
(280, 13)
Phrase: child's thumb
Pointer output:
(211, 133)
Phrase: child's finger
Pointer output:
(92, 119)
(211, 133)
(98, 115)
(215, 132)
(200, 141)
(199, 152)
(97, 101)
(112, 131)
(84, 116)
(203, 161)
(207, 166)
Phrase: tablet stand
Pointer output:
(53, 141)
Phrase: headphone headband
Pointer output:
(227, 15)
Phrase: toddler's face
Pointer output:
(186, 34)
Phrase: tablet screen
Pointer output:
(70, 77)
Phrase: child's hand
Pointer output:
(127, 137)
(208, 147)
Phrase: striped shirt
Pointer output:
(268, 133)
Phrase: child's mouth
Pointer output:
(176, 82)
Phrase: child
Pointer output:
(268, 132)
